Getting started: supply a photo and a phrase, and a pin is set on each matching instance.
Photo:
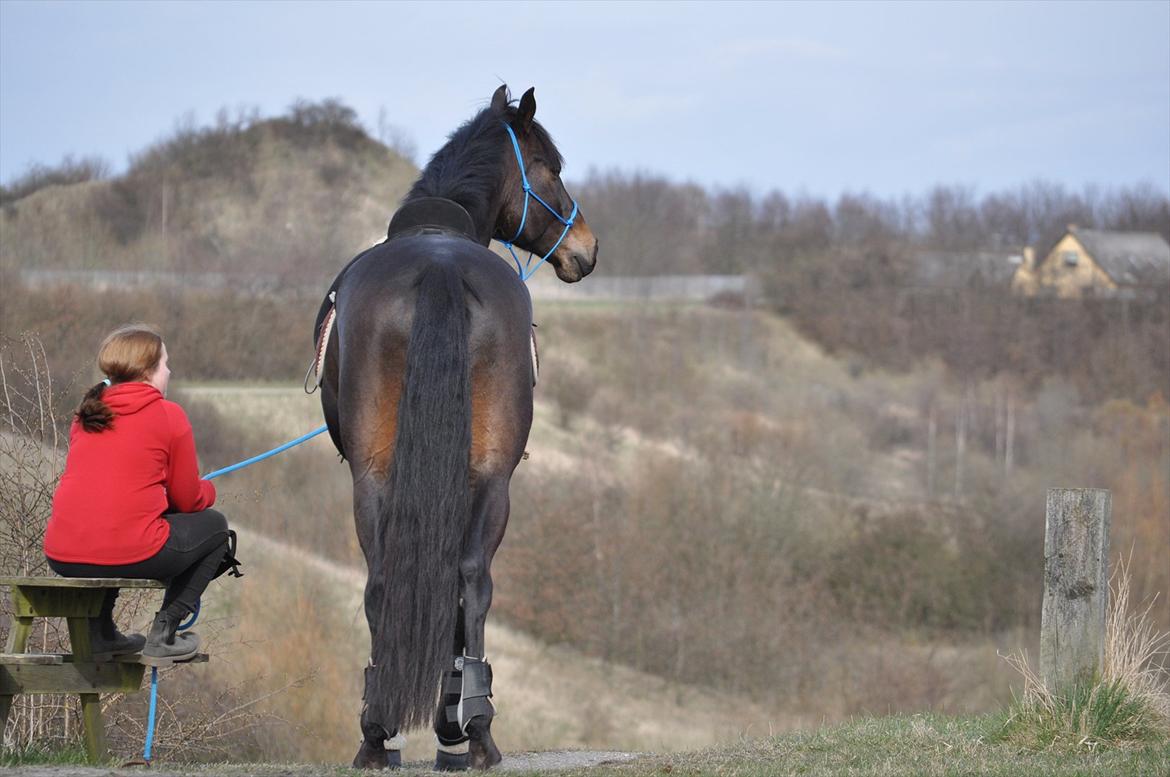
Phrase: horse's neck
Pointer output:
(484, 216)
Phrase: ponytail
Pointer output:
(93, 414)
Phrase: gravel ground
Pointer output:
(519, 762)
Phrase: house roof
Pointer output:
(960, 269)
(1129, 258)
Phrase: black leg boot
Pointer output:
(373, 753)
(452, 753)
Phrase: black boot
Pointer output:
(105, 641)
(164, 646)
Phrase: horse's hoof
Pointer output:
(452, 762)
(376, 757)
(484, 755)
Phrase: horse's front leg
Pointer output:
(489, 519)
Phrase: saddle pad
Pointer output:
(436, 213)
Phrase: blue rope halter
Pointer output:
(528, 269)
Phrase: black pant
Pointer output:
(188, 561)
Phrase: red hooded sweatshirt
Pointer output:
(118, 483)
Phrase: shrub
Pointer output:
(67, 171)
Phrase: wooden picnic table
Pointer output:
(77, 600)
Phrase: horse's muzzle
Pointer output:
(585, 262)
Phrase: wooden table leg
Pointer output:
(95, 729)
(18, 633)
(5, 706)
(91, 706)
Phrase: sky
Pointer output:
(820, 99)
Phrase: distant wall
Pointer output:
(128, 280)
(544, 286)
(658, 288)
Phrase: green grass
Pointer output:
(878, 747)
(919, 745)
(1094, 715)
(69, 756)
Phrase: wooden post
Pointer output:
(1076, 585)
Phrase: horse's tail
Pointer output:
(425, 512)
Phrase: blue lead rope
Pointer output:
(154, 692)
(269, 454)
(150, 716)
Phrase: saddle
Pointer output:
(431, 214)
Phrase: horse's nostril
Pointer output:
(584, 265)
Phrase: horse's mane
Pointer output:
(468, 167)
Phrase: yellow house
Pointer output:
(1095, 262)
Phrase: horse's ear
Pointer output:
(527, 109)
(500, 100)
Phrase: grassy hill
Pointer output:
(290, 195)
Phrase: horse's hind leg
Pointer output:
(472, 683)
(372, 753)
(453, 749)
(489, 519)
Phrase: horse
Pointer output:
(426, 386)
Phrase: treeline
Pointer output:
(845, 272)
(651, 225)
(68, 171)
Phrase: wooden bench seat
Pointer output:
(32, 659)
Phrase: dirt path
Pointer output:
(519, 762)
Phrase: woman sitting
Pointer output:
(131, 504)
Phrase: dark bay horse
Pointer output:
(427, 388)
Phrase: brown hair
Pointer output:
(129, 353)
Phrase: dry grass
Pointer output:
(300, 612)
(298, 617)
(1136, 650)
